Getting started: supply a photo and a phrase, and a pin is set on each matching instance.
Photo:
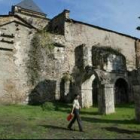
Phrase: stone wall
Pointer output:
(43, 92)
(137, 101)
(7, 68)
(56, 24)
(50, 65)
(72, 53)
(15, 85)
(6, 74)
(138, 53)
(37, 22)
(77, 33)
(7, 19)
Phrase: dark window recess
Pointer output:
(5, 49)
(3, 28)
(129, 74)
(7, 35)
(56, 28)
(30, 32)
(17, 29)
(6, 41)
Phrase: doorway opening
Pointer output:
(95, 92)
(121, 91)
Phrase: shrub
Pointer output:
(48, 106)
(55, 106)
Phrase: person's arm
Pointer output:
(72, 110)
(73, 107)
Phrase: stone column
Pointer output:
(66, 87)
(67, 96)
(109, 99)
(87, 56)
(87, 99)
(57, 92)
(106, 99)
(87, 93)
(137, 101)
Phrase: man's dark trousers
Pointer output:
(76, 116)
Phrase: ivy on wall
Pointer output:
(100, 55)
(41, 43)
(67, 77)
(43, 39)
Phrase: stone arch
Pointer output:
(66, 91)
(105, 93)
(87, 90)
(121, 88)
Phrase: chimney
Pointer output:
(66, 13)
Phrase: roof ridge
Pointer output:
(20, 18)
(101, 28)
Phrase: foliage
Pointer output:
(108, 50)
(41, 42)
(119, 50)
(67, 77)
(53, 106)
(48, 106)
(100, 55)
(44, 40)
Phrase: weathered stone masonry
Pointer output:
(72, 57)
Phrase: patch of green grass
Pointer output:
(31, 122)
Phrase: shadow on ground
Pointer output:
(56, 127)
(120, 130)
(89, 113)
(97, 120)
(131, 105)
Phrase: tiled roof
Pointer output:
(30, 5)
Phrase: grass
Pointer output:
(31, 122)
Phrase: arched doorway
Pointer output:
(95, 91)
(65, 91)
(121, 91)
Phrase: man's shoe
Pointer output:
(70, 128)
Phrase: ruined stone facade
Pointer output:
(99, 64)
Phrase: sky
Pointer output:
(117, 15)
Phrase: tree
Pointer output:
(138, 28)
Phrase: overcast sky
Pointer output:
(117, 15)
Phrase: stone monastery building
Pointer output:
(52, 59)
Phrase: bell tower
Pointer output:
(31, 13)
(27, 7)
